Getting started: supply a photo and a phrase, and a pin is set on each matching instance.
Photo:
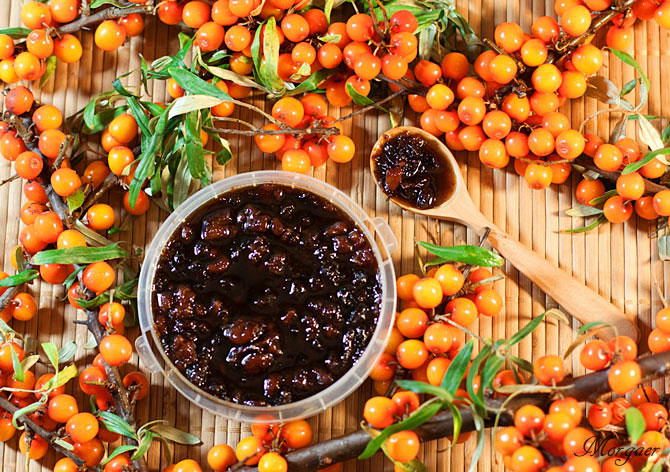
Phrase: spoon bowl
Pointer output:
(573, 296)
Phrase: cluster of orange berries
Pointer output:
(263, 449)
(83, 430)
(559, 431)
(27, 60)
(659, 337)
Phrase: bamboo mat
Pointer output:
(620, 261)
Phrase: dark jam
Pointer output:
(410, 170)
(266, 296)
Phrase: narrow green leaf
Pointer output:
(628, 87)
(175, 435)
(27, 410)
(526, 330)
(458, 422)
(75, 201)
(423, 387)
(594, 224)
(116, 424)
(67, 352)
(357, 98)
(51, 351)
(20, 258)
(477, 397)
(312, 82)
(635, 424)
(16, 33)
(63, 376)
(467, 254)
(118, 451)
(195, 85)
(145, 443)
(19, 374)
(50, 68)
(629, 60)
(417, 418)
(646, 159)
(480, 427)
(20, 278)
(327, 9)
(457, 368)
(583, 211)
(268, 67)
(79, 255)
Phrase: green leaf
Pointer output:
(49, 70)
(28, 362)
(457, 368)
(635, 424)
(629, 60)
(137, 112)
(20, 258)
(19, 374)
(91, 343)
(330, 38)
(195, 153)
(63, 377)
(357, 98)
(16, 33)
(646, 159)
(67, 352)
(526, 330)
(604, 197)
(480, 427)
(51, 351)
(458, 421)
(628, 87)
(591, 325)
(583, 211)
(594, 224)
(145, 443)
(417, 418)
(312, 82)
(20, 278)
(423, 387)
(79, 255)
(27, 410)
(268, 67)
(118, 451)
(175, 435)
(491, 368)
(116, 424)
(327, 9)
(76, 200)
(195, 85)
(477, 397)
(99, 3)
(467, 254)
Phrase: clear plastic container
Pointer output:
(152, 354)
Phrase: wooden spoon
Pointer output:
(573, 296)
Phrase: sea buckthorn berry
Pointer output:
(509, 36)
(507, 440)
(221, 456)
(450, 278)
(545, 28)
(28, 165)
(576, 20)
(518, 108)
(619, 38)
(541, 142)
(68, 48)
(62, 407)
(70, 238)
(492, 153)
(624, 346)
(296, 28)
(455, 66)
(427, 292)
(341, 148)
(651, 170)
(405, 286)
(426, 72)
(529, 419)
(438, 338)
(237, 37)
(644, 208)
(412, 354)
(502, 69)
(11, 146)
(50, 142)
(403, 446)
(82, 427)
(556, 123)
(516, 144)
(629, 148)
(19, 100)
(23, 308)
(630, 186)
(360, 27)
(662, 15)
(195, 13)
(661, 202)
(557, 425)
(35, 15)
(439, 97)
(30, 240)
(587, 59)
(403, 20)
(270, 143)
(95, 173)
(123, 128)
(7, 72)
(272, 462)
(38, 446)
(462, 311)
(40, 44)
(549, 369)
(27, 66)
(367, 66)
(115, 349)
(544, 103)
(48, 226)
(119, 158)
(595, 355)
(100, 217)
(384, 369)
(133, 24)
(573, 85)
(599, 415)
(546, 78)
(30, 211)
(488, 302)
(471, 110)
(482, 63)
(47, 117)
(471, 137)
(527, 459)
(330, 56)
(379, 412)
(617, 209)
(658, 341)
(570, 144)
(412, 323)
(296, 434)
(470, 87)
(109, 35)
(624, 376)
(65, 465)
(496, 124)
(175, 91)
(534, 52)
(139, 384)
(587, 190)
(98, 276)
(65, 182)
(288, 110)
(296, 160)
(210, 35)
(6, 46)
(608, 157)
(644, 394)
(87, 379)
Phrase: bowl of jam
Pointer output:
(267, 296)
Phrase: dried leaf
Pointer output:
(227, 74)
(582, 211)
(396, 111)
(175, 435)
(650, 136)
(603, 90)
(189, 103)
(619, 129)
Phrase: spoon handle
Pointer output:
(573, 296)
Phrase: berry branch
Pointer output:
(106, 14)
(588, 387)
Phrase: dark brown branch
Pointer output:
(49, 436)
(106, 14)
(587, 163)
(585, 388)
(110, 181)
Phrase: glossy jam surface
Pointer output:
(410, 171)
(266, 295)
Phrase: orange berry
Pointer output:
(427, 292)
(98, 276)
(109, 35)
(617, 209)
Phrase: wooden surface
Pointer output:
(619, 261)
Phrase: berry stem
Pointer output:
(106, 14)
(50, 436)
